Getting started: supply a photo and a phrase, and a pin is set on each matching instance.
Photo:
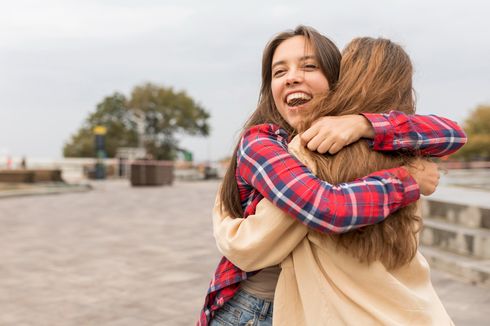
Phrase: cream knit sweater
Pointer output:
(319, 284)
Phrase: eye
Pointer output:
(278, 72)
(310, 66)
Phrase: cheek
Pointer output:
(320, 84)
(276, 92)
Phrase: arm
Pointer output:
(265, 165)
(266, 237)
(262, 239)
(430, 135)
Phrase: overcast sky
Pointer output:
(58, 59)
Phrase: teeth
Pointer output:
(296, 99)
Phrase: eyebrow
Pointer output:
(300, 59)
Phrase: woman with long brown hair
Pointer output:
(298, 67)
(369, 276)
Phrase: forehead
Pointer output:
(294, 48)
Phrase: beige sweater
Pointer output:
(320, 285)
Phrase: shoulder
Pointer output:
(262, 143)
(264, 133)
(265, 129)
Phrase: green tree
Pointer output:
(112, 113)
(167, 114)
(158, 113)
(477, 128)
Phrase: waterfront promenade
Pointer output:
(118, 255)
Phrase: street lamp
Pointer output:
(100, 152)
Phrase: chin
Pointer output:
(294, 123)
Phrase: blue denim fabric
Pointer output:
(244, 310)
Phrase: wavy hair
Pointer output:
(328, 56)
(376, 77)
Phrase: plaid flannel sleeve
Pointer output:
(429, 134)
(265, 164)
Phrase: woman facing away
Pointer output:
(370, 276)
(298, 67)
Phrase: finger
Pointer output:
(433, 190)
(335, 148)
(417, 164)
(309, 134)
(314, 143)
(324, 146)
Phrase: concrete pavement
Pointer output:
(130, 256)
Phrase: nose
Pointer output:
(294, 77)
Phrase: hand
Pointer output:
(426, 174)
(332, 133)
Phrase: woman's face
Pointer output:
(296, 79)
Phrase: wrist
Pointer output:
(367, 127)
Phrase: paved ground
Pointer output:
(124, 256)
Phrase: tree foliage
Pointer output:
(477, 128)
(112, 113)
(163, 112)
(167, 113)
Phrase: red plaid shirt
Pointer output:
(266, 169)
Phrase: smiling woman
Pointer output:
(297, 67)
(296, 78)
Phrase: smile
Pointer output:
(297, 99)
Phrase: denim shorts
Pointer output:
(244, 310)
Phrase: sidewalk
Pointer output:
(17, 190)
(118, 255)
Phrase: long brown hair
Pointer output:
(376, 77)
(328, 56)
